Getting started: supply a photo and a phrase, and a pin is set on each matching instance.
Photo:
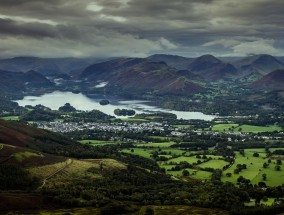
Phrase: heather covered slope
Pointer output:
(271, 81)
(24, 136)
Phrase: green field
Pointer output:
(190, 160)
(160, 138)
(259, 129)
(20, 156)
(269, 202)
(173, 151)
(255, 169)
(146, 153)
(245, 128)
(215, 164)
(97, 142)
(222, 127)
(193, 173)
(274, 149)
(202, 175)
(10, 117)
(163, 144)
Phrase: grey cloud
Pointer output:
(181, 27)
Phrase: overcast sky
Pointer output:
(100, 28)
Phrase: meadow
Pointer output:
(255, 169)
(245, 128)
(97, 142)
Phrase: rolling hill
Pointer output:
(18, 81)
(205, 67)
(271, 81)
(175, 61)
(261, 64)
(141, 75)
(211, 68)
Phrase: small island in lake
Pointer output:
(104, 102)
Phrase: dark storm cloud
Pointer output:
(140, 27)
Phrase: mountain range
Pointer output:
(161, 74)
(19, 81)
(46, 66)
(141, 74)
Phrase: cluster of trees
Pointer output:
(158, 116)
(239, 168)
(124, 112)
(67, 108)
(40, 113)
(16, 178)
(88, 116)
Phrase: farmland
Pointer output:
(10, 117)
(96, 142)
(254, 169)
(160, 144)
(245, 128)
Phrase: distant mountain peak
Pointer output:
(208, 58)
(262, 63)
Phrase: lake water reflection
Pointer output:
(81, 102)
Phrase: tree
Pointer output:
(279, 162)
(255, 154)
(265, 165)
(277, 168)
(264, 176)
(236, 171)
(228, 174)
(185, 172)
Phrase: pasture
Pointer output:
(245, 128)
(97, 142)
(146, 153)
(162, 144)
(255, 169)
(215, 164)
(10, 118)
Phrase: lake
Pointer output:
(80, 101)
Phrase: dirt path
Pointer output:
(68, 163)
